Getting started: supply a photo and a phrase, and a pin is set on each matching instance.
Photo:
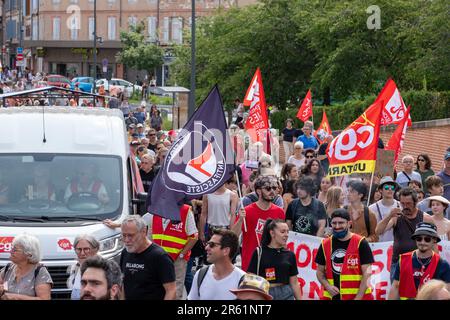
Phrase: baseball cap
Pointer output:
(134, 143)
(132, 125)
(340, 213)
(135, 135)
(254, 283)
(139, 125)
(426, 229)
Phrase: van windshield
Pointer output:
(60, 186)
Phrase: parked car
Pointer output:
(84, 83)
(58, 81)
(119, 83)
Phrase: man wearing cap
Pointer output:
(419, 266)
(140, 131)
(343, 262)
(252, 287)
(383, 207)
(403, 222)
(445, 175)
(309, 141)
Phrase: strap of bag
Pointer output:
(409, 179)
(201, 276)
(259, 252)
(367, 219)
(379, 211)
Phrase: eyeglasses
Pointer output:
(421, 160)
(86, 250)
(389, 187)
(309, 157)
(212, 244)
(14, 249)
(274, 188)
(426, 239)
(151, 134)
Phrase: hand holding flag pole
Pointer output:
(240, 198)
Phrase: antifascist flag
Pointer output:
(396, 141)
(393, 105)
(354, 150)
(323, 130)
(305, 110)
(199, 161)
(257, 122)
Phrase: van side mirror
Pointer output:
(140, 203)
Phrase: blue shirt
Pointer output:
(308, 143)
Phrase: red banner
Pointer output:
(323, 130)
(305, 110)
(257, 122)
(396, 141)
(354, 150)
(393, 107)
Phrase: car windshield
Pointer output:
(56, 186)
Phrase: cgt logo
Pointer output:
(352, 261)
(65, 244)
(6, 244)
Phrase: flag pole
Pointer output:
(240, 197)
(370, 188)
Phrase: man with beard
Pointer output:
(101, 279)
(403, 222)
(419, 266)
(149, 273)
(343, 262)
(255, 216)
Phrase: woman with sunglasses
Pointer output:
(275, 263)
(85, 246)
(420, 265)
(423, 167)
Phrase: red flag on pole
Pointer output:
(305, 110)
(323, 130)
(393, 107)
(257, 122)
(354, 150)
(396, 141)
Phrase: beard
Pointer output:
(88, 296)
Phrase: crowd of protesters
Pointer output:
(232, 243)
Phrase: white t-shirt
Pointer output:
(384, 211)
(298, 163)
(212, 289)
(403, 181)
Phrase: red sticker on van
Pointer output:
(65, 244)
(6, 244)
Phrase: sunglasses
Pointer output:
(212, 244)
(426, 239)
(270, 188)
(389, 187)
(421, 160)
(309, 157)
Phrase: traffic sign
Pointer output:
(19, 50)
(105, 62)
(19, 57)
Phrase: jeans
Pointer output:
(282, 292)
(189, 276)
(394, 266)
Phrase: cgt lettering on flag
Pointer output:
(354, 150)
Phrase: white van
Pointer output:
(44, 154)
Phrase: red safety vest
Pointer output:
(94, 189)
(174, 237)
(351, 273)
(407, 288)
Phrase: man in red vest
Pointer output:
(419, 266)
(343, 262)
(176, 239)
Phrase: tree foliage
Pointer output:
(137, 53)
(324, 45)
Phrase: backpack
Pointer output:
(201, 276)
(36, 271)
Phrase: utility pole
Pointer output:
(95, 41)
(191, 107)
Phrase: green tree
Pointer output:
(137, 53)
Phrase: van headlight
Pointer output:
(110, 245)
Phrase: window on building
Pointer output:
(56, 28)
(34, 31)
(132, 21)
(91, 28)
(112, 28)
(35, 6)
(151, 28)
(74, 27)
(177, 30)
(165, 30)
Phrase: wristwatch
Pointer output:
(181, 256)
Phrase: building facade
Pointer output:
(58, 35)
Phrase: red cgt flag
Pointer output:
(323, 130)
(257, 122)
(354, 150)
(396, 141)
(393, 107)
(305, 110)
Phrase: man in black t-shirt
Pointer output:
(340, 241)
(147, 171)
(322, 153)
(306, 214)
(149, 273)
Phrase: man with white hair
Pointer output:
(408, 173)
(149, 272)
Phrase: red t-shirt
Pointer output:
(256, 218)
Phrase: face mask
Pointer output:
(340, 234)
